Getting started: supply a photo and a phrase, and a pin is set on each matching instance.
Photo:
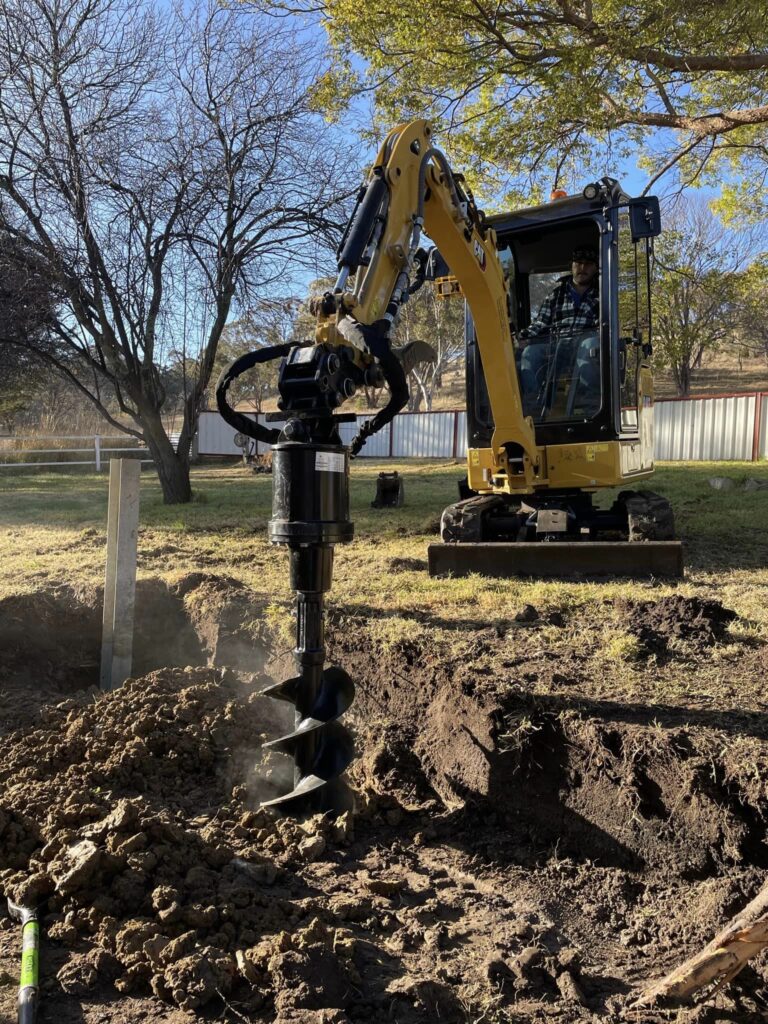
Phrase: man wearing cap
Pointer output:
(573, 306)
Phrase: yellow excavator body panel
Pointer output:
(587, 467)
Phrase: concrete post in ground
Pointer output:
(120, 581)
(97, 449)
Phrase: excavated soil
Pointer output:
(512, 856)
(699, 621)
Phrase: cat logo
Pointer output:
(479, 252)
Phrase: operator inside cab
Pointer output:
(558, 352)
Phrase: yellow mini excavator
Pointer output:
(557, 409)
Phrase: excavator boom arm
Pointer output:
(411, 188)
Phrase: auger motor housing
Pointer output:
(310, 491)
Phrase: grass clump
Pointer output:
(624, 648)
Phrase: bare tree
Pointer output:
(158, 167)
(697, 264)
(270, 322)
(27, 305)
(439, 323)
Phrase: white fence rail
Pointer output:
(722, 427)
(23, 451)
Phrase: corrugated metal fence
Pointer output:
(722, 427)
(726, 427)
(435, 435)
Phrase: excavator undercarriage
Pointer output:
(559, 534)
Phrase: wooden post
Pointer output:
(744, 937)
(120, 581)
(756, 428)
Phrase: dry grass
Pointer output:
(53, 533)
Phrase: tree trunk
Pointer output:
(172, 469)
(720, 961)
(372, 397)
(683, 379)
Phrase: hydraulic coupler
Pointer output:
(310, 513)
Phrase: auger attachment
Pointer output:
(310, 513)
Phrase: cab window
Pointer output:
(633, 319)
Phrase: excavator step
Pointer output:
(558, 558)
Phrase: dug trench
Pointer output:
(517, 853)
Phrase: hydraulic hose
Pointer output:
(243, 424)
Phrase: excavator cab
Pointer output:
(585, 376)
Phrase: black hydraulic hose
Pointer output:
(236, 419)
(394, 375)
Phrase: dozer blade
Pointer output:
(558, 558)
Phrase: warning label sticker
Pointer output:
(329, 462)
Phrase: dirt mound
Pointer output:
(125, 815)
(631, 795)
(698, 621)
(513, 856)
(50, 641)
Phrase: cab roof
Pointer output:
(557, 210)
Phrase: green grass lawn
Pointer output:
(53, 534)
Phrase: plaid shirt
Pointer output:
(566, 309)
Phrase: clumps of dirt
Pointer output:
(698, 621)
(129, 815)
(496, 833)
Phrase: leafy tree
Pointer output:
(697, 264)
(158, 167)
(541, 88)
(752, 303)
